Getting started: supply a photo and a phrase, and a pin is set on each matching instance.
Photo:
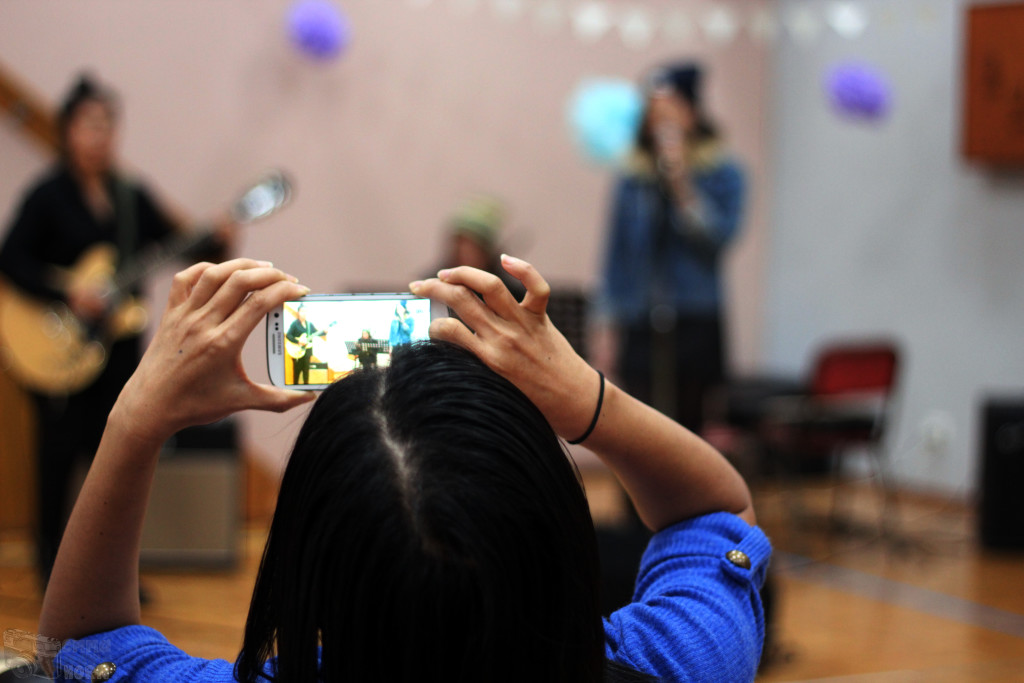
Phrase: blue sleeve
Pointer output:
(721, 193)
(616, 277)
(141, 655)
(696, 615)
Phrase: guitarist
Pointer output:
(81, 202)
(301, 332)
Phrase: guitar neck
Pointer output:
(140, 266)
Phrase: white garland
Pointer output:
(638, 25)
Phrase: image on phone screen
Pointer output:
(326, 338)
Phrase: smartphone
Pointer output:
(320, 338)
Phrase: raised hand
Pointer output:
(192, 371)
(516, 340)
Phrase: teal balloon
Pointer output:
(604, 117)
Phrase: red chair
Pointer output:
(847, 408)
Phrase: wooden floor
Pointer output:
(918, 601)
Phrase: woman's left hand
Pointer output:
(516, 340)
(192, 372)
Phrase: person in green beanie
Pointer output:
(475, 233)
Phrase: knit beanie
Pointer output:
(683, 79)
(479, 218)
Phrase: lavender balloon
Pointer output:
(859, 91)
(318, 29)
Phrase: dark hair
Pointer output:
(430, 526)
(704, 130)
(86, 89)
(682, 80)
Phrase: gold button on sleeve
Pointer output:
(738, 558)
(103, 672)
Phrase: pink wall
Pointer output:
(426, 106)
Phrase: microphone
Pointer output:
(669, 150)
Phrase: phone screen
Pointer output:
(327, 337)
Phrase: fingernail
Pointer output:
(509, 259)
(444, 273)
(265, 264)
(413, 286)
(292, 278)
(305, 290)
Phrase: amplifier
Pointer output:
(194, 512)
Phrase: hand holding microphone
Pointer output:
(671, 162)
(670, 152)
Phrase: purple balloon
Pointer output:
(859, 91)
(318, 29)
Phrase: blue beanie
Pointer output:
(683, 79)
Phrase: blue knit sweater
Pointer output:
(696, 616)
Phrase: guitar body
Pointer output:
(297, 349)
(50, 351)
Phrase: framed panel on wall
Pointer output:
(993, 122)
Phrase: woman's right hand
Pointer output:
(192, 372)
(516, 340)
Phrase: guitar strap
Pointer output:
(127, 216)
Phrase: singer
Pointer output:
(676, 209)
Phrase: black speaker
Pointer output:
(1001, 512)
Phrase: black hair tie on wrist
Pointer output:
(597, 413)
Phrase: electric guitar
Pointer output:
(297, 349)
(49, 350)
